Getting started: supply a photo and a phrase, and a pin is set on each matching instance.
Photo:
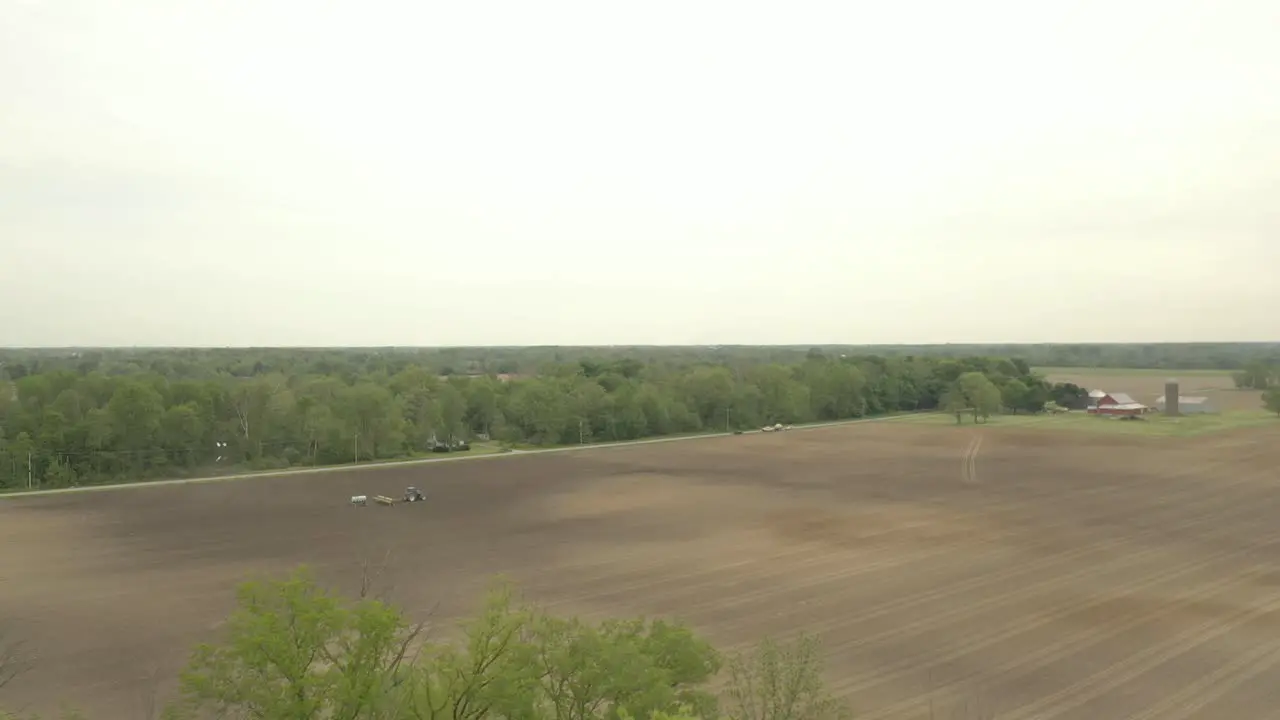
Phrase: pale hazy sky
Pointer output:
(280, 172)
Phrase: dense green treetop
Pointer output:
(294, 650)
(90, 416)
(86, 416)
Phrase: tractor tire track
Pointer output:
(1250, 510)
(1118, 674)
(1068, 646)
(1199, 694)
(699, 589)
(643, 579)
(977, 639)
(1213, 516)
(969, 466)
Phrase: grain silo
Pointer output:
(1171, 397)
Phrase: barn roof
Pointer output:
(1125, 406)
(1122, 399)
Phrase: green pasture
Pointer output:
(1154, 425)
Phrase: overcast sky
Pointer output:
(280, 172)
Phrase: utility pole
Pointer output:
(581, 437)
(356, 452)
(28, 469)
(726, 419)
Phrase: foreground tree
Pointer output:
(1014, 395)
(518, 662)
(980, 394)
(781, 682)
(295, 652)
(1271, 399)
(953, 402)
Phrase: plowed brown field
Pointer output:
(1030, 574)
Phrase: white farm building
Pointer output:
(1189, 405)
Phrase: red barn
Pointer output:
(1115, 404)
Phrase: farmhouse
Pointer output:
(1105, 403)
(1189, 405)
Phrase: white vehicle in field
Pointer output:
(359, 499)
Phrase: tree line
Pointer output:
(170, 413)
(195, 363)
(1264, 376)
(294, 650)
(1257, 375)
(1159, 356)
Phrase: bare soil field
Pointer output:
(1147, 385)
(1028, 574)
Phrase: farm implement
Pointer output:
(411, 494)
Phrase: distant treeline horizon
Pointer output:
(515, 359)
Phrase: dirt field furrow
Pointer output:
(986, 585)
(1237, 696)
(1034, 653)
(1139, 664)
(1205, 689)
(1041, 575)
(997, 629)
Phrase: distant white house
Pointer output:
(1189, 405)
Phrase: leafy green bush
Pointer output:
(295, 651)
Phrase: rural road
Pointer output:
(404, 463)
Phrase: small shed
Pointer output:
(1189, 405)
